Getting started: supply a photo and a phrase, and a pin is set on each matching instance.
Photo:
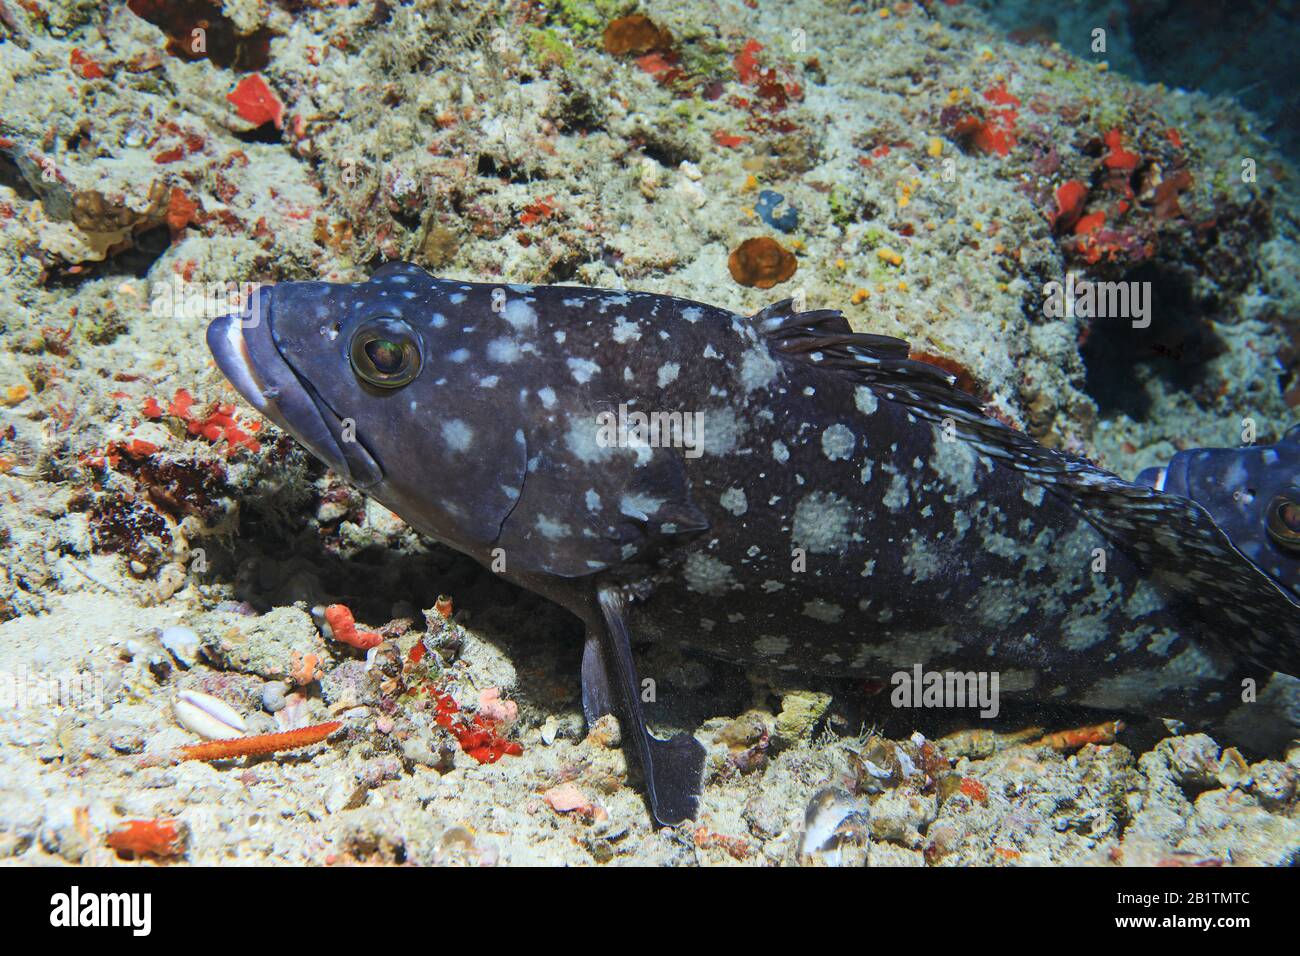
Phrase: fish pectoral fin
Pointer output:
(673, 769)
(597, 698)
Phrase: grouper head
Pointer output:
(365, 376)
(1253, 494)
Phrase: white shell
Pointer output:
(830, 816)
(208, 717)
(549, 730)
(183, 644)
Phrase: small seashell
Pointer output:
(549, 729)
(905, 762)
(208, 717)
(294, 712)
(273, 695)
(183, 644)
(833, 817)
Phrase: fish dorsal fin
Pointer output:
(397, 267)
(1174, 538)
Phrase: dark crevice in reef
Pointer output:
(664, 150)
(12, 177)
(564, 268)
(1175, 347)
(508, 172)
(139, 259)
(198, 29)
(266, 133)
(134, 262)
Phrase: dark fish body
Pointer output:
(1252, 493)
(839, 508)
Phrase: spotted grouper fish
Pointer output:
(774, 489)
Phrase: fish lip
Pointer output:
(229, 350)
(244, 349)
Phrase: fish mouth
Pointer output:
(244, 348)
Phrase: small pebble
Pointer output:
(567, 798)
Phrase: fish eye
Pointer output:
(1283, 519)
(385, 352)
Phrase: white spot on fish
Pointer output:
(722, 430)
(625, 331)
(547, 395)
(581, 441)
(823, 611)
(821, 523)
(865, 399)
(457, 435)
(734, 500)
(520, 314)
(896, 497)
(771, 646)
(503, 350)
(707, 575)
(954, 461)
(550, 528)
(758, 369)
(668, 373)
(838, 442)
(639, 506)
(582, 369)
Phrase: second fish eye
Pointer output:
(1282, 519)
(385, 353)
